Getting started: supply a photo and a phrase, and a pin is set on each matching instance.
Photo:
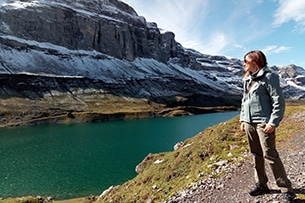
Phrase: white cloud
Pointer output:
(275, 49)
(216, 43)
(181, 17)
(290, 10)
(170, 12)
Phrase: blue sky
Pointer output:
(233, 27)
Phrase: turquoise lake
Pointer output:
(68, 161)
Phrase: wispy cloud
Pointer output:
(275, 49)
(171, 13)
(208, 26)
(216, 43)
(181, 17)
(290, 10)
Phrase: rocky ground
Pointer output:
(234, 187)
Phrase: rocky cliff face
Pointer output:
(107, 26)
(114, 49)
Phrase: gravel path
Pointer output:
(234, 187)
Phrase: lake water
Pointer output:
(67, 161)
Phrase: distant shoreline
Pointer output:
(60, 116)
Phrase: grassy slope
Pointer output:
(192, 162)
(182, 167)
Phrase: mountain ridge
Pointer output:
(107, 43)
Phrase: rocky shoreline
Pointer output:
(25, 112)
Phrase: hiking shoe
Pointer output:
(259, 190)
(288, 197)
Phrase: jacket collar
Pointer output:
(259, 74)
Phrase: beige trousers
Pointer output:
(263, 148)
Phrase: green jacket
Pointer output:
(263, 102)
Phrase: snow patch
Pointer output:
(19, 4)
